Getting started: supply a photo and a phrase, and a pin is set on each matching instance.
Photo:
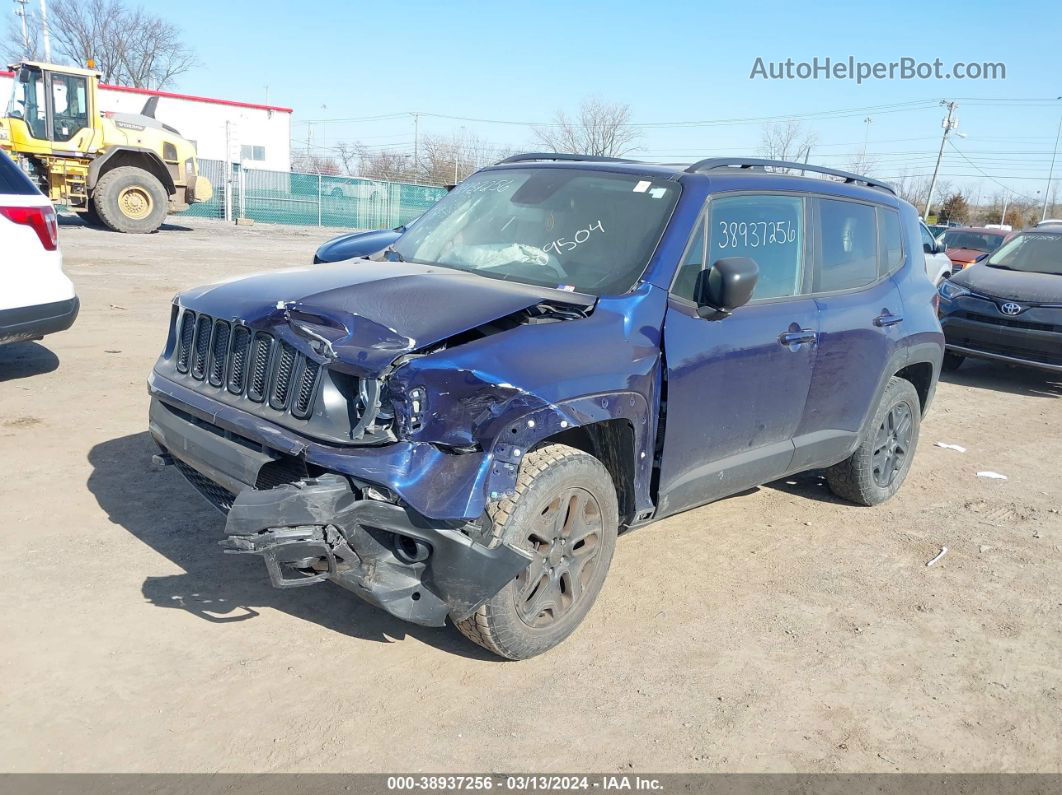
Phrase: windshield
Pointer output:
(27, 101)
(1030, 252)
(978, 241)
(571, 229)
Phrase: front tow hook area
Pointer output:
(418, 569)
(294, 556)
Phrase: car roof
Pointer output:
(720, 179)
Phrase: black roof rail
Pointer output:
(562, 156)
(713, 163)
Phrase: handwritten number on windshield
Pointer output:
(561, 245)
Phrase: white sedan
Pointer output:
(36, 297)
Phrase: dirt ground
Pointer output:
(780, 630)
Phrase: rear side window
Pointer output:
(13, 180)
(891, 240)
(767, 229)
(848, 246)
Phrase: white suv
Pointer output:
(938, 266)
(36, 297)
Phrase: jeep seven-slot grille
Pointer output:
(247, 363)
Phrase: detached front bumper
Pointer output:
(321, 526)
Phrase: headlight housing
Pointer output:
(950, 291)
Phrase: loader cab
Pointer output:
(52, 107)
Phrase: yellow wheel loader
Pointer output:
(125, 171)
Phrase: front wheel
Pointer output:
(565, 514)
(129, 199)
(878, 467)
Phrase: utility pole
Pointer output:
(44, 31)
(1051, 172)
(1003, 217)
(21, 13)
(416, 143)
(949, 124)
(866, 139)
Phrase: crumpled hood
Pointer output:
(365, 314)
(1041, 288)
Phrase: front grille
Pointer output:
(241, 343)
(261, 350)
(203, 326)
(1009, 322)
(219, 351)
(278, 393)
(185, 345)
(217, 496)
(251, 364)
(301, 404)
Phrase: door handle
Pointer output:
(887, 318)
(797, 337)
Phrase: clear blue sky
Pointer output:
(670, 61)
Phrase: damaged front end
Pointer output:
(311, 525)
(322, 529)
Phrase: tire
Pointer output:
(122, 192)
(952, 361)
(878, 467)
(546, 602)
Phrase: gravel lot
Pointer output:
(781, 630)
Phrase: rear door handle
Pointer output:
(887, 318)
(797, 337)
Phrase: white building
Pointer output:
(259, 136)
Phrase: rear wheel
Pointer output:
(129, 199)
(952, 361)
(566, 515)
(878, 467)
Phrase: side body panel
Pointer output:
(735, 397)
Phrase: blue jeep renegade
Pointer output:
(564, 348)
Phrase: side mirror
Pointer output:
(724, 287)
(929, 248)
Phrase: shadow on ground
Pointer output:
(809, 485)
(25, 360)
(1025, 381)
(162, 510)
(73, 219)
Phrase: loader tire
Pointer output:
(129, 199)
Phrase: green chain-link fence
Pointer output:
(283, 197)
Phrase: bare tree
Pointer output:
(602, 129)
(129, 45)
(389, 164)
(448, 159)
(306, 162)
(787, 141)
(915, 189)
